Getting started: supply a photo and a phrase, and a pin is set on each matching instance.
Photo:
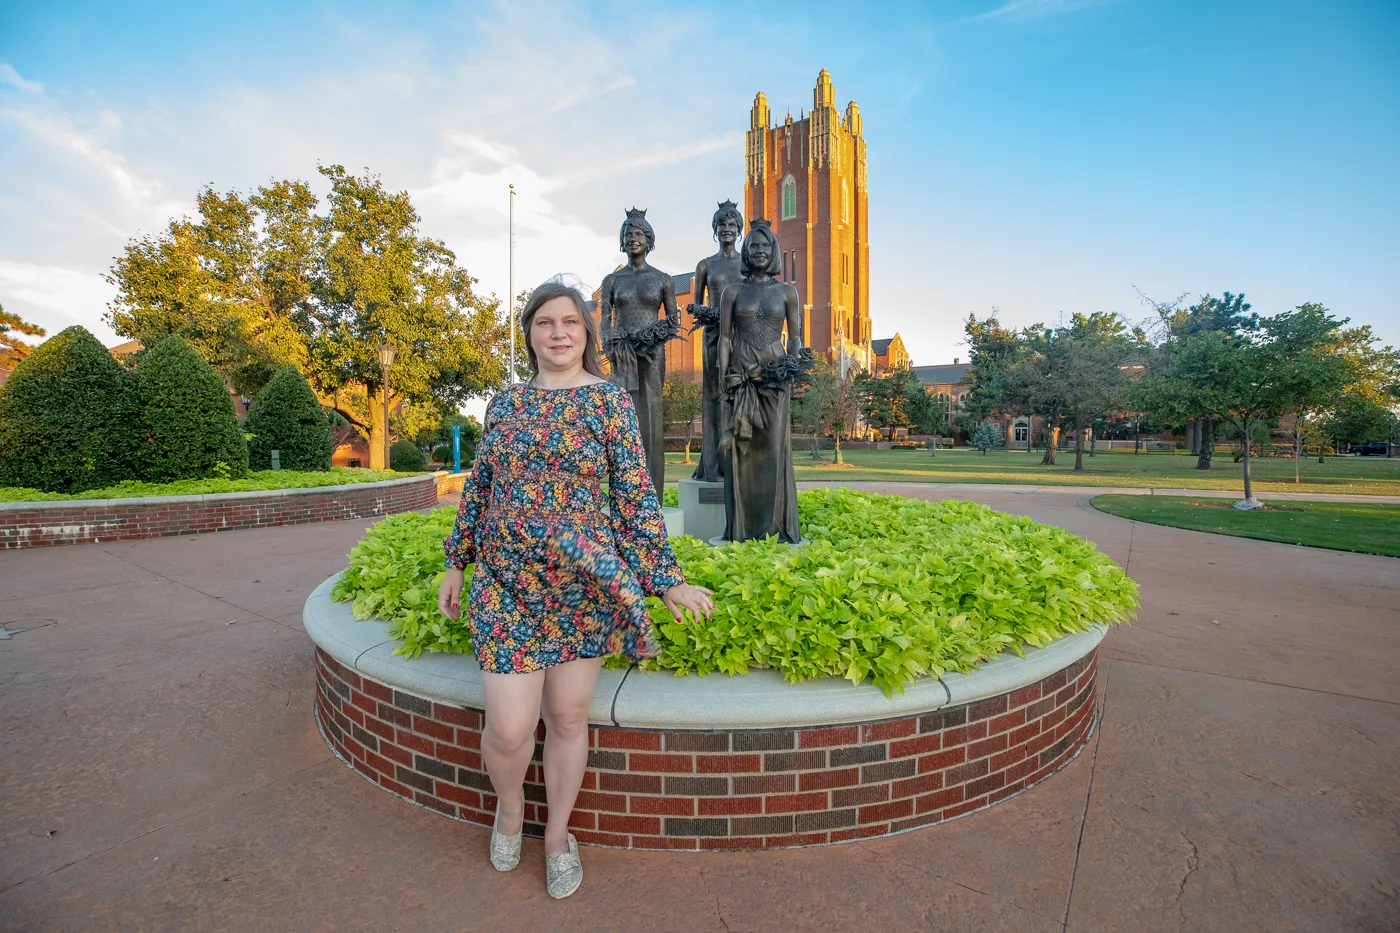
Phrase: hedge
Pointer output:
(286, 417)
(406, 457)
(65, 414)
(191, 429)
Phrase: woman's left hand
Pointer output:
(688, 596)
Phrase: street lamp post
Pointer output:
(386, 359)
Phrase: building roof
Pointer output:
(881, 347)
(947, 374)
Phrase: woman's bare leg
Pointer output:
(508, 741)
(568, 693)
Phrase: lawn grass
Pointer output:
(1342, 526)
(256, 480)
(1372, 476)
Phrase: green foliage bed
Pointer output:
(255, 480)
(890, 589)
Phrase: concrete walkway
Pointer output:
(944, 489)
(161, 769)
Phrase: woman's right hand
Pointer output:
(450, 593)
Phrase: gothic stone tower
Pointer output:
(808, 177)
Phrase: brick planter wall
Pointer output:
(726, 790)
(43, 524)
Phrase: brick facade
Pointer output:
(744, 789)
(43, 524)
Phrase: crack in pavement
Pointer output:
(1088, 793)
(1193, 861)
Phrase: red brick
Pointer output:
(732, 842)
(659, 764)
(884, 812)
(666, 842)
(640, 741)
(819, 780)
(916, 785)
(629, 783)
(939, 800)
(730, 806)
(792, 803)
(1010, 720)
(384, 730)
(363, 702)
(637, 825)
(893, 729)
(595, 800)
(859, 832)
(433, 803)
(822, 738)
(1024, 734)
(459, 756)
(379, 762)
(415, 742)
(797, 839)
(944, 759)
(1023, 696)
(985, 785)
(469, 738)
(962, 808)
(601, 839)
(437, 730)
(583, 819)
(996, 743)
(662, 806)
(396, 787)
(1020, 770)
(1008, 758)
(728, 764)
(460, 795)
(929, 742)
(467, 718)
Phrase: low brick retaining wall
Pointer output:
(450, 484)
(726, 789)
(43, 524)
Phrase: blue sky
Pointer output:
(1039, 156)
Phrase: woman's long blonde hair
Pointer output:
(548, 291)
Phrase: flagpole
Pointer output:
(511, 296)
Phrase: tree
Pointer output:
(925, 414)
(680, 404)
(10, 324)
(1356, 420)
(987, 437)
(1034, 386)
(190, 429)
(470, 431)
(1092, 350)
(418, 421)
(66, 418)
(812, 400)
(994, 353)
(286, 417)
(883, 399)
(406, 457)
(259, 282)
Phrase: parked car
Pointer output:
(1373, 449)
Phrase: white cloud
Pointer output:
(1014, 10)
(8, 75)
(55, 297)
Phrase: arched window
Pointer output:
(789, 198)
(845, 203)
(1021, 432)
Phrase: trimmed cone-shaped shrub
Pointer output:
(191, 428)
(287, 418)
(66, 418)
(405, 457)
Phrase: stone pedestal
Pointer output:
(675, 520)
(703, 505)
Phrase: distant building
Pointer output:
(808, 178)
(889, 353)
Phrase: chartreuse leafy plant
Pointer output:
(889, 589)
(254, 481)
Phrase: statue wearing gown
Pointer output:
(637, 305)
(712, 276)
(758, 368)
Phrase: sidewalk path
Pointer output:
(909, 489)
(161, 769)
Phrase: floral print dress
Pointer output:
(557, 578)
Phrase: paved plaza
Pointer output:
(162, 770)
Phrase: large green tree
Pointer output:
(259, 282)
(884, 399)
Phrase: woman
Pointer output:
(634, 335)
(558, 584)
(758, 369)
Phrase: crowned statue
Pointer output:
(637, 305)
(758, 367)
(712, 276)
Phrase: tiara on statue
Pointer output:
(635, 214)
(726, 206)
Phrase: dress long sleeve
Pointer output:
(460, 546)
(639, 529)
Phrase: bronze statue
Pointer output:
(634, 335)
(759, 369)
(712, 276)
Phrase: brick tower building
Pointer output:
(807, 176)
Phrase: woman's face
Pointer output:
(760, 252)
(634, 241)
(558, 336)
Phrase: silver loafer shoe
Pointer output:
(505, 850)
(564, 872)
